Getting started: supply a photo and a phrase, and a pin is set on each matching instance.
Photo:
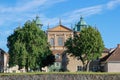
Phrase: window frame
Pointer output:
(60, 41)
(79, 68)
(52, 41)
(57, 56)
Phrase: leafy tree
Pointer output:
(86, 46)
(28, 47)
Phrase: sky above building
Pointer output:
(103, 14)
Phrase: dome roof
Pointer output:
(80, 24)
(38, 22)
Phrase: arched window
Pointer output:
(60, 41)
(52, 41)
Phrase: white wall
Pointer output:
(15, 69)
(113, 66)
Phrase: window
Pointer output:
(57, 64)
(79, 68)
(52, 41)
(57, 56)
(60, 41)
(95, 68)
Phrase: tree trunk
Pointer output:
(40, 68)
(87, 66)
(83, 66)
(26, 66)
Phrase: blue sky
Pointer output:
(104, 14)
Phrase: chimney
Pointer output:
(118, 46)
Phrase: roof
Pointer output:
(106, 50)
(2, 51)
(80, 24)
(113, 56)
(38, 20)
(60, 28)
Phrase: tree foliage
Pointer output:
(87, 45)
(28, 47)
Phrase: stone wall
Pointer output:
(62, 77)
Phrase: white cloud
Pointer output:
(73, 15)
(5, 33)
(24, 10)
(24, 6)
(113, 3)
(69, 18)
(27, 9)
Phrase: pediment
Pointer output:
(60, 28)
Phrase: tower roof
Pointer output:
(38, 20)
(80, 24)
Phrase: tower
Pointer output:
(38, 22)
(80, 24)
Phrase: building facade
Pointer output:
(111, 62)
(57, 36)
(4, 57)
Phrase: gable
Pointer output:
(2, 51)
(115, 56)
(60, 28)
(112, 56)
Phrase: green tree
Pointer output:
(86, 46)
(28, 47)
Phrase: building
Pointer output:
(57, 36)
(79, 25)
(111, 62)
(3, 60)
(78, 66)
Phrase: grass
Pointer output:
(46, 73)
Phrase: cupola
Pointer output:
(80, 24)
(38, 22)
